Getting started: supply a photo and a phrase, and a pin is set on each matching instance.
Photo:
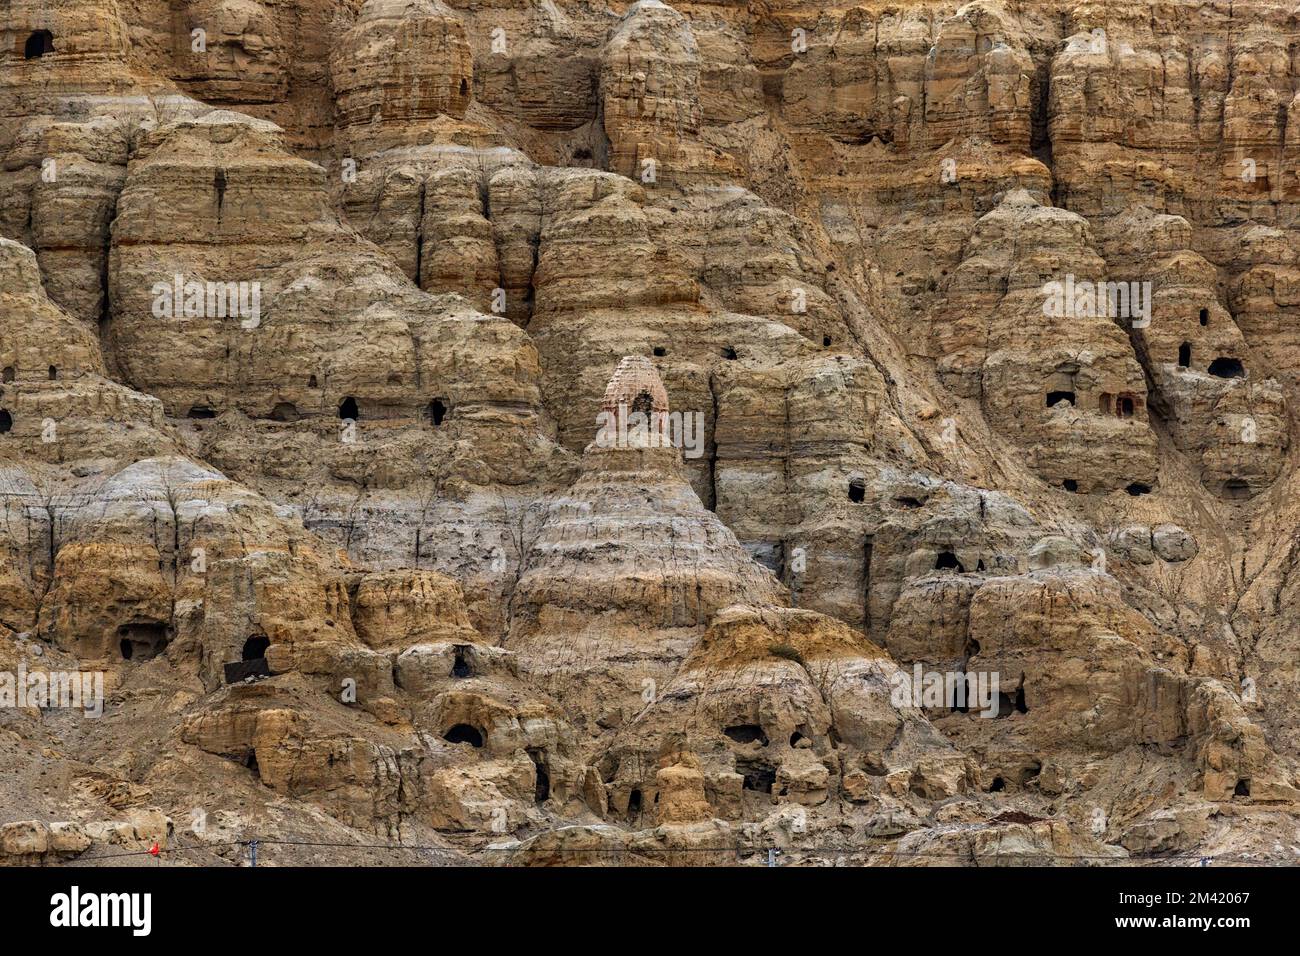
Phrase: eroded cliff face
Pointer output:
(559, 433)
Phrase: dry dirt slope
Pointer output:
(975, 327)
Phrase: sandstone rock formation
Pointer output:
(561, 433)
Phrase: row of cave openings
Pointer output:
(757, 773)
(463, 733)
(1222, 367)
(728, 352)
(7, 376)
(145, 640)
(434, 413)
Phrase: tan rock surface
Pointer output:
(375, 481)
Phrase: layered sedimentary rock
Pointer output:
(572, 432)
(627, 567)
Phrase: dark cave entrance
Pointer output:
(542, 788)
(437, 411)
(1223, 367)
(38, 44)
(348, 408)
(464, 734)
(461, 668)
(746, 733)
(946, 560)
(759, 776)
(141, 640)
(255, 648)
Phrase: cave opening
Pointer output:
(348, 409)
(759, 777)
(746, 733)
(1138, 488)
(1224, 367)
(1070, 484)
(6, 421)
(946, 560)
(1185, 355)
(1236, 489)
(542, 786)
(38, 44)
(460, 668)
(1205, 317)
(1054, 397)
(200, 411)
(857, 490)
(729, 353)
(464, 734)
(284, 412)
(437, 411)
(255, 648)
(141, 640)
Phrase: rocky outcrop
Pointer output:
(567, 433)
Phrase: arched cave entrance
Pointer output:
(464, 734)
(946, 560)
(141, 640)
(746, 733)
(38, 44)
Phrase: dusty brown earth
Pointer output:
(969, 341)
